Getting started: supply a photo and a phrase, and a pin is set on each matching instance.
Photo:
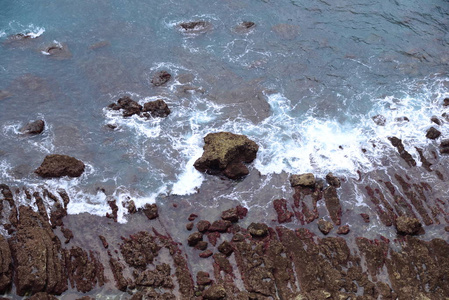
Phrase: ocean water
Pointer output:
(304, 83)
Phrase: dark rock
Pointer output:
(365, 217)
(343, 229)
(433, 133)
(307, 180)
(114, 209)
(157, 278)
(333, 180)
(201, 245)
(225, 248)
(56, 165)
(324, 226)
(407, 225)
(245, 27)
(194, 238)
(103, 241)
(157, 109)
(230, 215)
(202, 278)
(446, 102)
(205, 254)
(128, 105)
(151, 211)
(333, 204)
(203, 225)
(435, 120)
(131, 206)
(236, 170)
(220, 226)
(379, 120)
(223, 150)
(397, 143)
(192, 217)
(195, 27)
(139, 250)
(189, 226)
(213, 237)
(258, 229)
(215, 292)
(160, 78)
(241, 211)
(444, 143)
(247, 24)
(35, 127)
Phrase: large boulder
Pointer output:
(57, 165)
(225, 153)
(156, 108)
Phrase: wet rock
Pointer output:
(230, 215)
(157, 109)
(379, 120)
(202, 278)
(42, 296)
(160, 78)
(35, 127)
(224, 152)
(84, 269)
(114, 210)
(56, 165)
(435, 120)
(140, 249)
(59, 51)
(220, 226)
(67, 233)
(195, 27)
(446, 102)
(325, 226)
(206, 254)
(203, 225)
(213, 237)
(189, 226)
(201, 245)
(215, 292)
(131, 207)
(286, 31)
(306, 180)
(34, 238)
(157, 278)
(333, 180)
(407, 225)
(225, 248)
(128, 105)
(5, 265)
(284, 215)
(433, 133)
(343, 229)
(397, 143)
(194, 238)
(241, 211)
(192, 217)
(151, 211)
(258, 229)
(365, 217)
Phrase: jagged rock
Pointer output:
(156, 108)
(35, 127)
(151, 211)
(397, 143)
(333, 180)
(225, 248)
(435, 120)
(258, 229)
(203, 225)
(215, 292)
(128, 105)
(307, 180)
(84, 270)
(160, 78)
(444, 146)
(284, 215)
(205, 254)
(39, 266)
(194, 238)
(57, 165)
(230, 215)
(379, 120)
(195, 27)
(140, 249)
(433, 133)
(225, 152)
(325, 226)
(407, 225)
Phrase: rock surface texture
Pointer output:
(57, 165)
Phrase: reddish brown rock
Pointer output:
(5, 265)
(140, 249)
(194, 238)
(103, 241)
(189, 226)
(333, 204)
(42, 296)
(343, 229)
(84, 269)
(284, 215)
(324, 226)
(205, 254)
(215, 292)
(365, 217)
(35, 127)
(333, 180)
(202, 278)
(201, 245)
(397, 143)
(192, 217)
(203, 225)
(220, 226)
(226, 248)
(230, 215)
(56, 165)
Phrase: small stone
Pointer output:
(238, 237)
(402, 119)
(220, 226)
(365, 217)
(205, 254)
(194, 238)
(446, 228)
(230, 215)
(103, 241)
(433, 133)
(203, 225)
(201, 245)
(307, 180)
(446, 102)
(407, 225)
(333, 180)
(325, 226)
(258, 229)
(226, 248)
(189, 226)
(343, 229)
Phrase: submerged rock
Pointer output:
(407, 225)
(57, 165)
(325, 226)
(225, 153)
(156, 108)
(35, 127)
(245, 27)
(59, 51)
(307, 180)
(160, 78)
(4, 94)
(379, 120)
(195, 27)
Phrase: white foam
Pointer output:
(29, 30)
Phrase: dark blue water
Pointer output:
(304, 81)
